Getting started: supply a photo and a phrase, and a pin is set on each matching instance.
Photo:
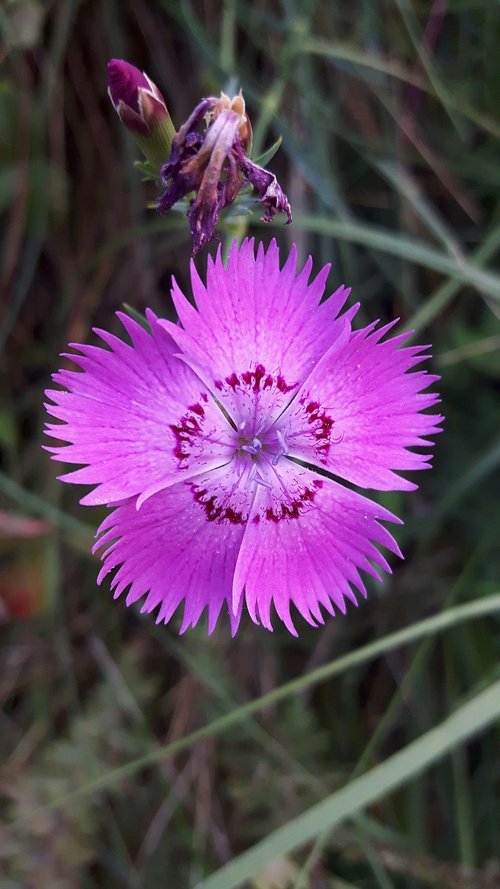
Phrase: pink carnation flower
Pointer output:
(215, 442)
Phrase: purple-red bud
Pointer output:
(137, 100)
(142, 109)
(124, 80)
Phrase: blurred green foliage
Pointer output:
(389, 118)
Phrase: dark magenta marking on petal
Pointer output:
(257, 380)
(254, 378)
(311, 407)
(282, 386)
(233, 381)
(321, 425)
(294, 508)
(187, 429)
(215, 511)
(197, 409)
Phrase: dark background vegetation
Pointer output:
(388, 112)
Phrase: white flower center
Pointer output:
(254, 447)
(261, 445)
(257, 453)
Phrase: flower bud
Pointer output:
(142, 109)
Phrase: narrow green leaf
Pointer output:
(444, 295)
(137, 316)
(373, 62)
(268, 155)
(487, 283)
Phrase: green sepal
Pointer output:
(156, 146)
(147, 169)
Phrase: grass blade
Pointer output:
(470, 719)
(436, 624)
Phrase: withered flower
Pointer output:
(209, 160)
